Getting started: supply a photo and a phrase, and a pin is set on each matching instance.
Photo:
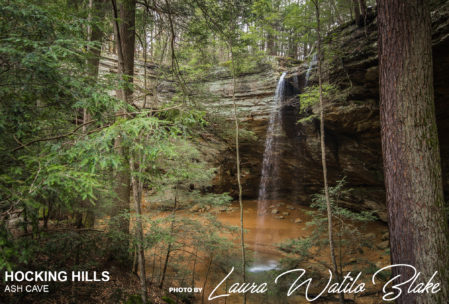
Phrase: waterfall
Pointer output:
(309, 70)
(269, 182)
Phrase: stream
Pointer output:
(263, 232)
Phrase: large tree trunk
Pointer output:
(124, 14)
(417, 222)
(96, 14)
(126, 41)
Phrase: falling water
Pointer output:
(309, 70)
(269, 182)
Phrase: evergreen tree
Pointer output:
(412, 166)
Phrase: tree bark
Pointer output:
(362, 4)
(237, 155)
(271, 44)
(137, 186)
(124, 14)
(413, 182)
(126, 39)
(356, 7)
(97, 13)
(237, 145)
(323, 152)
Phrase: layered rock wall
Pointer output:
(351, 118)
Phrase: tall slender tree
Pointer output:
(323, 148)
(415, 201)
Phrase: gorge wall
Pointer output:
(351, 119)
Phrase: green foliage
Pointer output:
(58, 166)
(168, 300)
(337, 194)
(135, 299)
(348, 227)
(44, 84)
(311, 96)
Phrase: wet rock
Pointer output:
(280, 217)
(290, 207)
(285, 213)
(298, 220)
(274, 211)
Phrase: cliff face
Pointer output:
(351, 120)
(351, 117)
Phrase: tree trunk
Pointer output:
(164, 270)
(323, 152)
(124, 15)
(169, 249)
(205, 279)
(239, 183)
(126, 39)
(356, 7)
(270, 44)
(96, 13)
(137, 195)
(413, 182)
(362, 4)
